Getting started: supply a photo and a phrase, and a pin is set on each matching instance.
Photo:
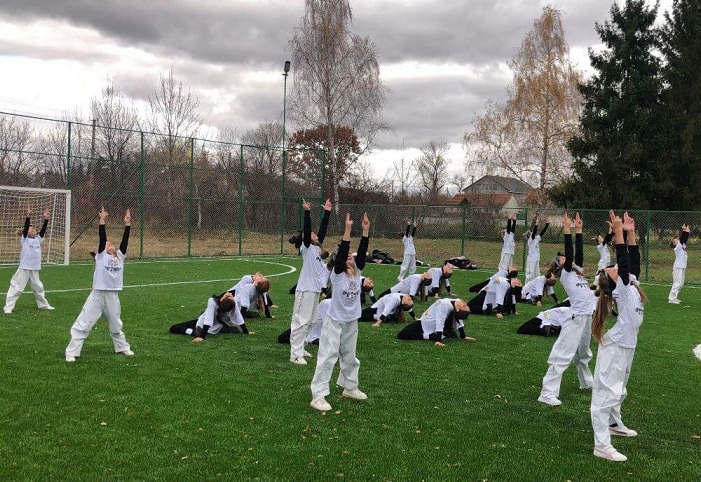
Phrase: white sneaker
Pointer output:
(320, 404)
(8, 312)
(128, 353)
(47, 307)
(622, 431)
(307, 354)
(610, 454)
(675, 301)
(354, 394)
(70, 359)
(298, 360)
(552, 401)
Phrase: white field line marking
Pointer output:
(697, 351)
(291, 269)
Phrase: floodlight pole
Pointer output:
(285, 71)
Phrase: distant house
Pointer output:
(496, 192)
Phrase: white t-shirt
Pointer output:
(604, 255)
(680, 256)
(433, 319)
(209, 318)
(246, 280)
(554, 316)
(582, 299)
(436, 275)
(509, 244)
(345, 302)
(630, 315)
(408, 244)
(312, 274)
(408, 286)
(496, 292)
(533, 249)
(30, 252)
(246, 295)
(534, 288)
(109, 271)
(387, 305)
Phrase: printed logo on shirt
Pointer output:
(640, 310)
(113, 265)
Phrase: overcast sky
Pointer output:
(440, 59)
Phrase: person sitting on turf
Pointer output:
(546, 322)
(390, 307)
(220, 316)
(440, 277)
(434, 320)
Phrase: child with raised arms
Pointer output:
(29, 265)
(108, 281)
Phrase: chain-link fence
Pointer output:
(198, 197)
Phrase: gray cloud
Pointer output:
(212, 44)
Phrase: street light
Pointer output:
(285, 71)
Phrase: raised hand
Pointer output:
(628, 222)
(306, 205)
(47, 213)
(103, 215)
(349, 221)
(29, 210)
(578, 221)
(327, 205)
(127, 218)
(686, 228)
(615, 221)
(566, 221)
(365, 223)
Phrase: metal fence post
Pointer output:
(647, 245)
(189, 197)
(68, 158)
(241, 207)
(462, 231)
(141, 197)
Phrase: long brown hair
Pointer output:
(603, 308)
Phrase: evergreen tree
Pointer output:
(681, 46)
(617, 154)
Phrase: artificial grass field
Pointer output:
(235, 408)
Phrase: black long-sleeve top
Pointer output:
(339, 265)
(307, 228)
(684, 237)
(413, 232)
(573, 254)
(102, 231)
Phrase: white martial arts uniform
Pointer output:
(573, 343)
(408, 266)
(533, 258)
(678, 271)
(28, 271)
(535, 288)
(433, 319)
(339, 335)
(613, 363)
(409, 285)
(103, 300)
(436, 277)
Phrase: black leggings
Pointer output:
(412, 331)
(182, 328)
(368, 314)
(532, 327)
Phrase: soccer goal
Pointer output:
(13, 211)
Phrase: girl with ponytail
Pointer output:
(617, 346)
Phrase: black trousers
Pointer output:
(412, 331)
(182, 328)
(532, 327)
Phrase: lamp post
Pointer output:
(285, 71)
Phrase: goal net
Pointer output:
(13, 211)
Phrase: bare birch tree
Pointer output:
(527, 136)
(336, 77)
(432, 167)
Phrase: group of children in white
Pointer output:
(332, 323)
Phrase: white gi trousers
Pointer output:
(408, 266)
(17, 284)
(613, 364)
(506, 261)
(678, 275)
(572, 345)
(532, 269)
(99, 302)
(304, 316)
(337, 342)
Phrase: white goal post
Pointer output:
(13, 211)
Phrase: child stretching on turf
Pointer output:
(29, 266)
(617, 346)
(509, 248)
(533, 257)
(104, 299)
(339, 334)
